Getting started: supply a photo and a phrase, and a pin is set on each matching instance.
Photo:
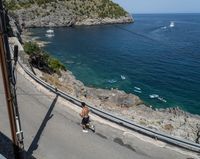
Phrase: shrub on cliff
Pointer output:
(90, 8)
(31, 48)
(11, 5)
(55, 65)
(110, 9)
(41, 59)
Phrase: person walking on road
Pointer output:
(85, 116)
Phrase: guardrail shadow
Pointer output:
(6, 148)
(48, 116)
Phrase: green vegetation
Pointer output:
(55, 64)
(11, 5)
(89, 8)
(110, 9)
(14, 5)
(31, 48)
(41, 59)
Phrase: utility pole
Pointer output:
(7, 68)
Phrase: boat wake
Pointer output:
(123, 77)
(137, 90)
(152, 96)
(112, 81)
(49, 33)
(171, 25)
(69, 62)
(156, 96)
(164, 27)
(162, 99)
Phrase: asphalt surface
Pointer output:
(52, 130)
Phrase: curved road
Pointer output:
(52, 130)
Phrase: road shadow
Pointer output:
(48, 116)
(6, 148)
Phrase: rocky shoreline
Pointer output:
(66, 14)
(99, 21)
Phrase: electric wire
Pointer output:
(147, 38)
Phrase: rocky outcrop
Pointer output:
(114, 97)
(38, 17)
(69, 13)
(67, 82)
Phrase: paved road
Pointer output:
(52, 130)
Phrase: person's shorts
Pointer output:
(85, 121)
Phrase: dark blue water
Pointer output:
(151, 54)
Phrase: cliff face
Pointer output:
(53, 13)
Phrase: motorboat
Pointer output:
(171, 24)
(50, 31)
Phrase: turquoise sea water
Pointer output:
(158, 54)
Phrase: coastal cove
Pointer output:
(171, 121)
(151, 56)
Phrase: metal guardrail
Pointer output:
(126, 123)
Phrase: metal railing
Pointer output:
(126, 123)
(7, 66)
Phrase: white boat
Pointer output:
(49, 35)
(123, 77)
(171, 24)
(50, 31)
(153, 96)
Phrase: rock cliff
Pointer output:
(54, 13)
